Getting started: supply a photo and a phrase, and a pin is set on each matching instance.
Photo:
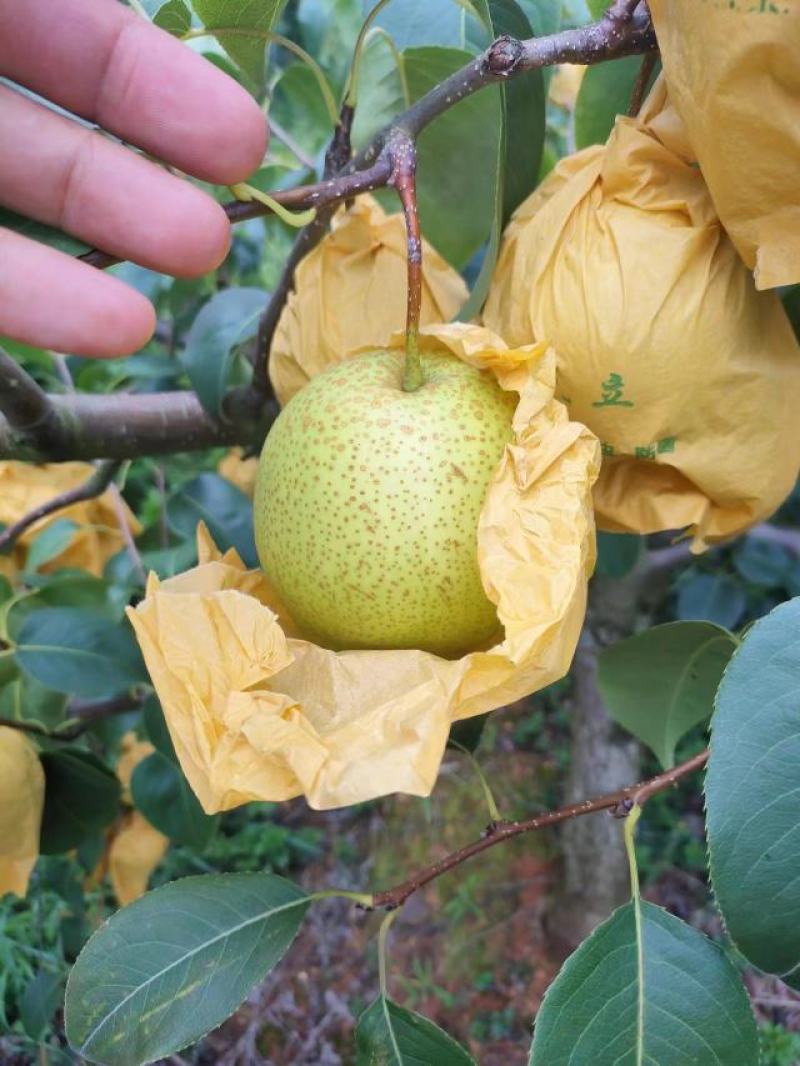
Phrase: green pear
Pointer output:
(368, 498)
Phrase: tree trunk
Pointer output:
(595, 877)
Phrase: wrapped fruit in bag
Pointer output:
(260, 710)
(134, 847)
(21, 806)
(350, 291)
(689, 376)
(25, 486)
(734, 77)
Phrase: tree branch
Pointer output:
(621, 32)
(642, 81)
(319, 195)
(95, 486)
(122, 426)
(26, 407)
(619, 803)
(81, 716)
(127, 425)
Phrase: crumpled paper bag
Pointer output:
(734, 76)
(258, 713)
(135, 847)
(687, 374)
(239, 471)
(350, 292)
(24, 486)
(21, 805)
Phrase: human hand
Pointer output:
(101, 61)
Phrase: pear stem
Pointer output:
(403, 154)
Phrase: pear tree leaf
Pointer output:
(388, 1035)
(654, 992)
(661, 683)
(753, 795)
(176, 963)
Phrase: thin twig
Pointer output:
(642, 81)
(286, 138)
(403, 154)
(319, 195)
(621, 32)
(127, 534)
(620, 803)
(337, 156)
(126, 426)
(81, 716)
(95, 486)
(23, 402)
(621, 10)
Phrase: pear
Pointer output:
(368, 498)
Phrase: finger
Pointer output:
(58, 171)
(100, 60)
(53, 301)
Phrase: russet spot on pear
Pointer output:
(368, 498)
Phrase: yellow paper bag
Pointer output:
(24, 486)
(687, 374)
(134, 847)
(258, 713)
(135, 850)
(239, 471)
(21, 805)
(733, 71)
(350, 292)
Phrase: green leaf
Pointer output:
(78, 651)
(176, 963)
(70, 588)
(667, 998)
(162, 794)
(39, 1003)
(174, 17)
(763, 564)
(299, 106)
(661, 683)
(791, 303)
(456, 198)
(388, 1035)
(380, 90)
(752, 790)
(226, 510)
(605, 93)
(543, 15)
(156, 726)
(258, 15)
(711, 598)
(166, 562)
(468, 732)
(597, 8)
(519, 151)
(50, 543)
(27, 701)
(228, 319)
(39, 231)
(425, 23)
(81, 797)
(524, 104)
(618, 553)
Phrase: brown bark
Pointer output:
(595, 878)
